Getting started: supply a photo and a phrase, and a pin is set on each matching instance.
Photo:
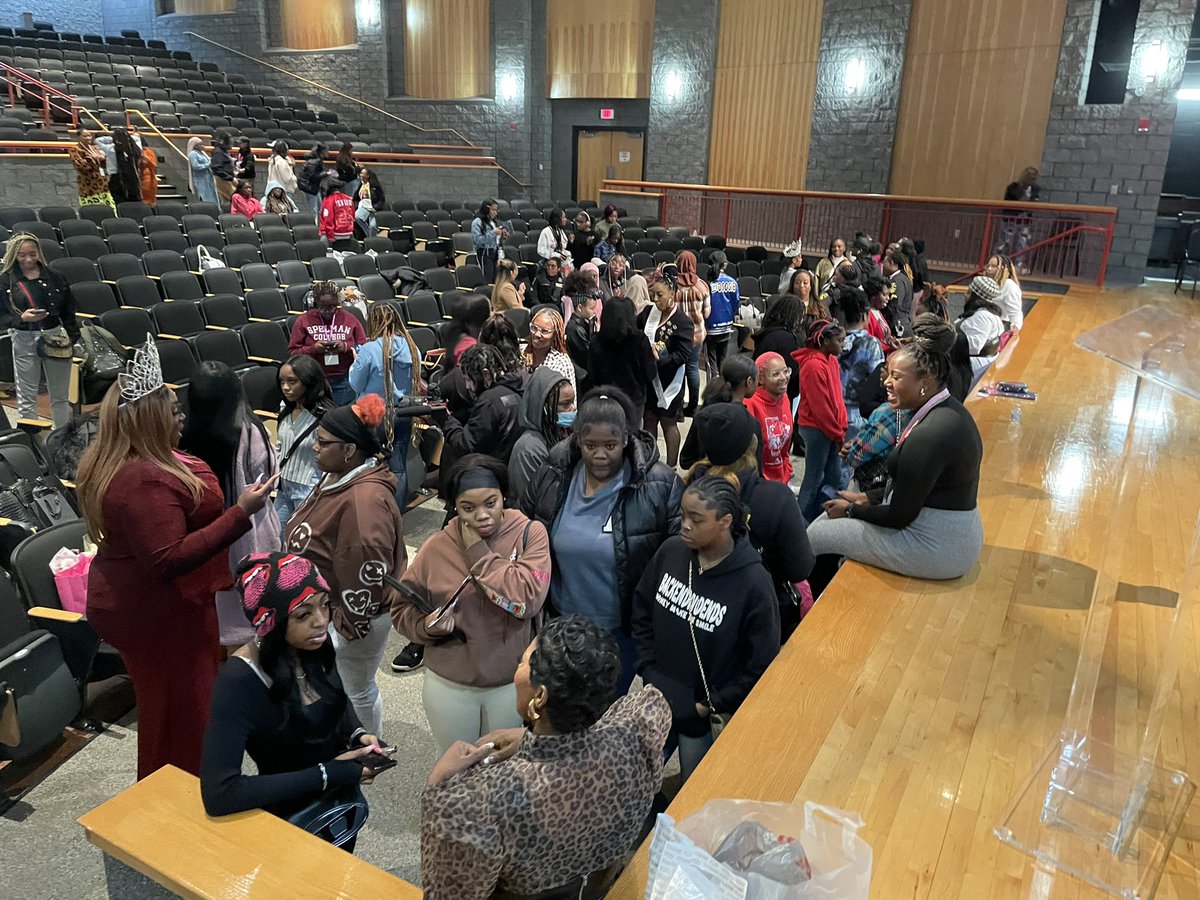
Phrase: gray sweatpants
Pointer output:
(459, 712)
(28, 368)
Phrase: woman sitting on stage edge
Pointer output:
(925, 522)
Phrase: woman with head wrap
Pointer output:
(200, 176)
(279, 700)
(350, 528)
(472, 596)
(638, 292)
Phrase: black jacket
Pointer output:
(676, 332)
(645, 513)
(736, 623)
(582, 247)
(777, 530)
(547, 290)
(777, 339)
(492, 427)
(579, 338)
(222, 163)
(628, 365)
(49, 291)
(311, 173)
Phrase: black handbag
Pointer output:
(336, 816)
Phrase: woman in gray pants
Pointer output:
(38, 311)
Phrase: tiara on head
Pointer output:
(145, 373)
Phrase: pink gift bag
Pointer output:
(71, 579)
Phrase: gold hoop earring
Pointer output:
(531, 710)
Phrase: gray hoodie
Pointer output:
(531, 448)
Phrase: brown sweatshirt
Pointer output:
(352, 534)
(494, 615)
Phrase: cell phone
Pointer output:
(829, 493)
(1012, 387)
(377, 762)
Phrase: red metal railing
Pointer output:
(1069, 243)
(21, 83)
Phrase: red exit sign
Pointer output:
(607, 114)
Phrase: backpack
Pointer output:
(102, 359)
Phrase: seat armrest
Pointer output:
(50, 613)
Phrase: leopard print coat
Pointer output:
(563, 806)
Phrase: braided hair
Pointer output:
(482, 365)
(384, 323)
(929, 346)
(722, 494)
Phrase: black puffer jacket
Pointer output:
(646, 512)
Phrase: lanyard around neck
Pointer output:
(921, 413)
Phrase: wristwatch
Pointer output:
(850, 511)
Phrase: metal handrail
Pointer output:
(157, 131)
(345, 96)
(48, 91)
(1045, 242)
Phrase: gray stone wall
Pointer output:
(79, 16)
(685, 42)
(37, 182)
(852, 134)
(1094, 154)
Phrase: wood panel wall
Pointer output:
(314, 24)
(447, 49)
(975, 97)
(599, 49)
(202, 7)
(762, 102)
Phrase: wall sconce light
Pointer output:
(1154, 63)
(367, 13)
(856, 75)
(673, 85)
(508, 87)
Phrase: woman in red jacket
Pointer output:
(821, 418)
(163, 541)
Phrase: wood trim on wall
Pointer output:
(447, 49)
(975, 97)
(599, 49)
(763, 99)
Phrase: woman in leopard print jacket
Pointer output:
(556, 806)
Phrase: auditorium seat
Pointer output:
(265, 341)
(224, 311)
(115, 266)
(177, 320)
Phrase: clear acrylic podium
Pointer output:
(1107, 817)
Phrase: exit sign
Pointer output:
(607, 114)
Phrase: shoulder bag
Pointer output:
(716, 720)
(52, 343)
(336, 816)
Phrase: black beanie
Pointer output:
(725, 432)
(357, 423)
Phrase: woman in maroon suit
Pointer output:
(163, 539)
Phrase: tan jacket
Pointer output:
(494, 616)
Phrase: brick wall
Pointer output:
(80, 16)
(36, 183)
(685, 42)
(1090, 149)
(852, 134)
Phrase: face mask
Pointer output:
(566, 419)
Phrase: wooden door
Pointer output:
(606, 154)
(626, 160)
(593, 149)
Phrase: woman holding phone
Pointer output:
(39, 311)
(279, 699)
(471, 597)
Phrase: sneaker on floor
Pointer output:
(409, 658)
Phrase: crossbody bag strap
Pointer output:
(695, 646)
(297, 442)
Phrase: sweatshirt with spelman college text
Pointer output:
(735, 614)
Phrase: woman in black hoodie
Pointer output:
(705, 617)
(728, 441)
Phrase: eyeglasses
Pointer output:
(318, 443)
(541, 332)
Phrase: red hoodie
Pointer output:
(337, 217)
(774, 417)
(821, 403)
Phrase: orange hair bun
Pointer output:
(369, 409)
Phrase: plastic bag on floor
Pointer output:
(684, 864)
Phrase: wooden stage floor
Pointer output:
(923, 706)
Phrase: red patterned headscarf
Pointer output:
(272, 585)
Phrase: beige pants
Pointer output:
(224, 193)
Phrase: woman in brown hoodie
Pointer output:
(349, 528)
(471, 596)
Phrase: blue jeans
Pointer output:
(288, 499)
(343, 393)
(822, 466)
(692, 376)
(398, 461)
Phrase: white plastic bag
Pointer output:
(840, 859)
